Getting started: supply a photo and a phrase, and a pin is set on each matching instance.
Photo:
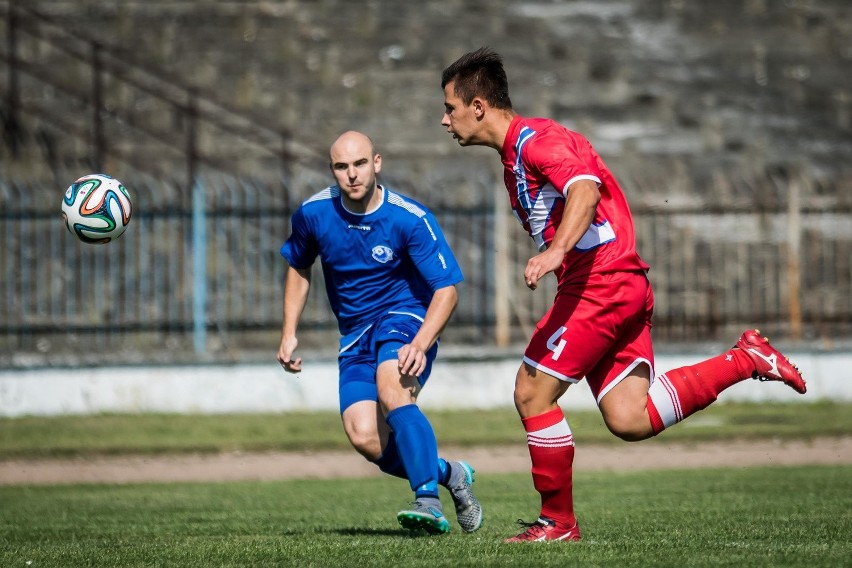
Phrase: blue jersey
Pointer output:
(391, 259)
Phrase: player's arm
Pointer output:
(412, 357)
(580, 205)
(296, 288)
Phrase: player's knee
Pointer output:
(525, 396)
(628, 434)
(367, 446)
(629, 428)
(529, 401)
(364, 439)
(536, 392)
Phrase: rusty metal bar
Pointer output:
(98, 140)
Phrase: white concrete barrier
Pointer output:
(267, 388)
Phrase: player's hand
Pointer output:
(541, 264)
(285, 355)
(412, 360)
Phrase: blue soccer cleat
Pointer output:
(426, 517)
(468, 509)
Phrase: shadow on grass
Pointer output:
(384, 532)
(378, 532)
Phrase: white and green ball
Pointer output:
(97, 208)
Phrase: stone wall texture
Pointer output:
(688, 101)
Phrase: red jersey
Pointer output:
(541, 159)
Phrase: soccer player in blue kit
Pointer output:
(391, 281)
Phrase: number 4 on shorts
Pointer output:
(556, 343)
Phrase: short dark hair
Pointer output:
(479, 73)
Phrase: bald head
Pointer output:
(350, 143)
(355, 164)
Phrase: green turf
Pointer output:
(796, 516)
(123, 434)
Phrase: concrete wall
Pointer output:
(267, 388)
(687, 101)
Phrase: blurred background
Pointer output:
(728, 124)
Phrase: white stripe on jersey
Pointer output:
(415, 316)
(356, 339)
(327, 193)
(333, 191)
(539, 214)
(596, 236)
(520, 173)
(550, 371)
(399, 201)
(589, 177)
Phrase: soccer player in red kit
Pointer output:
(599, 326)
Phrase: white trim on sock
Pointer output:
(665, 399)
(556, 436)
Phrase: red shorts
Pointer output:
(599, 329)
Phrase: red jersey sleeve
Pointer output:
(562, 158)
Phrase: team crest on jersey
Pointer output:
(382, 254)
(521, 183)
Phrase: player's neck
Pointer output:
(496, 131)
(369, 203)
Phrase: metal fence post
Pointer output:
(199, 229)
(502, 284)
(199, 269)
(794, 245)
(97, 106)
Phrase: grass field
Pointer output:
(798, 516)
(768, 516)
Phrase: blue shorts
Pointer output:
(357, 365)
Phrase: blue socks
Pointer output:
(417, 449)
(443, 471)
(389, 462)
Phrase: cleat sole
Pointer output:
(413, 521)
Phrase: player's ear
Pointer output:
(478, 106)
(377, 163)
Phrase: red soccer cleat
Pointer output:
(769, 363)
(544, 530)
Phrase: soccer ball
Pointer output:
(96, 208)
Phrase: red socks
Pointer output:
(672, 397)
(678, 393)
(551, 447)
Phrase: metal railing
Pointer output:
(160, 292)
(198, 274)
